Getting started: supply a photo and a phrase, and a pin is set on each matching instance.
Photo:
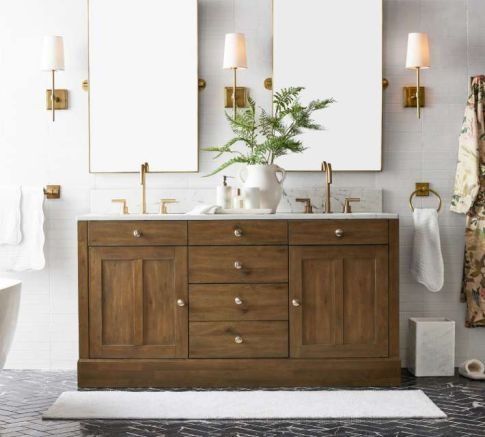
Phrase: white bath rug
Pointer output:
(244, 405)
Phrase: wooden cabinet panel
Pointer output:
(137, 233)
(336, 232)
(133, 297)
(238, 340)
(219, 302)
(342, 298)
(230, 232)
(257, 264)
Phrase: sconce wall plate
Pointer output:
(409, 97)
(241, 97)
(268, 83)
(60, 99)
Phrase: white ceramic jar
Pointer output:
(265, 177)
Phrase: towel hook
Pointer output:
(423, 190)
(52, 191)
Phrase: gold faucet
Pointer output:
(327, 168)
(144, 169)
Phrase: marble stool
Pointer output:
(431, 346)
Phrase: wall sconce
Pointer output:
(235, 58)
(53, 60)
(417, 58)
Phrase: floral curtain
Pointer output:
(469, 199)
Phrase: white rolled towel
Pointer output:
(472, 369)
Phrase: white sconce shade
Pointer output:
(418, 51)
(53, 54)
(235, 51)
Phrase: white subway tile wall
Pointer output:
(35, 151)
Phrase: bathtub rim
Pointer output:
(7, 283)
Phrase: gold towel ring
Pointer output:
(420, 192)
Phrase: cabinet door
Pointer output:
(339, 301)
(133, 311)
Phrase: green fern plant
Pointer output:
(265, 136)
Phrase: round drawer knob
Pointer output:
(238, 265)
(238, 301)
(137, 233)
(238, 232)
(238, 339)
(295, 303)
(339, 233)
(180, 303)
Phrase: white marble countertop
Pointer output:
(277, 216)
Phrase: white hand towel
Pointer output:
(29, 254)
(10, 215)
(204, 209)
(427, 260)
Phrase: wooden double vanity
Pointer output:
(211, 301)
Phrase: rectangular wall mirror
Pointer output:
(334, 49)
(143, 89)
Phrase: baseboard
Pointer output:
(119, 373)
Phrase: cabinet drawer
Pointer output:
(137, 233)
(338, 232)
(251, 264)
(238, 339)
(219, 302)
(224, 232)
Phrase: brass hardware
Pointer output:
(180, 303)
(241, 97)
(238, 339)
(339, 233)
(347, 209)
(137, 233)
(238, 265)
(122, 201)
(238, 301)
(423, 190)
(308, 205)
(202, 84)
(164, 203)
(85, 85)
(52, 191)
(409, 97)
(144, 169)
(268, 83)
(295, 303)
(60, 99)
(238, 232)
(327, 168)
(385, 83)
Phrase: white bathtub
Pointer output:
(9, 309)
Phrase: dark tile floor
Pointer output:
(24, 395)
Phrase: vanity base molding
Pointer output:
(239, 373)
(238, 303)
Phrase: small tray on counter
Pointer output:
(244, 211)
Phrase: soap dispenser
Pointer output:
(224, 194)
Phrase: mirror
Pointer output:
(143, 90)
(334, 49)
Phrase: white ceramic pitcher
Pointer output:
(265, 178)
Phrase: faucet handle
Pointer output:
(347, 209)
(123, 202)
(164, 203)
(308, 204)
